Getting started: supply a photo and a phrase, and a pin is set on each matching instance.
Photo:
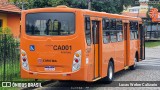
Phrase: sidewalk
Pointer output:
(153, 52)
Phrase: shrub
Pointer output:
(6, 30)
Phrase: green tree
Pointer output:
(110, 6)
(155, 6)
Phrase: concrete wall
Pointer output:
(13, 22)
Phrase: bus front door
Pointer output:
(95, 39)
(142, 42)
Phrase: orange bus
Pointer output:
(63, 43)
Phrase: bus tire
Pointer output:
(133, 67)
(110, 75)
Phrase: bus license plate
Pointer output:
(49, 68)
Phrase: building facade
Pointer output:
(10, 17)
(152, 29)
(137, 11)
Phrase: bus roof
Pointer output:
(85, 12)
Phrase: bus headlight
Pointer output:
(76, 61)
(24, 60)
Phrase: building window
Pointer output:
(134, 10)
(0, 23)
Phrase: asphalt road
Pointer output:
(147, 70)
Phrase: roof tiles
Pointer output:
(5, 6)
(142, 15)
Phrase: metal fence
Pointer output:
(153, 35)
(9, 58)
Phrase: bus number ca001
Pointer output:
(62, 47)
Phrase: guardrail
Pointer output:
(152, 35)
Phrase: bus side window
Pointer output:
(136, 32)
(133, 30)
(88, 30)
(119, 29)
(113, 32)
(106, 32)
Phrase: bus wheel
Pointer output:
(110, 74)
(133, 67)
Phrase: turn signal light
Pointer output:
(77, 55)
(23, 54)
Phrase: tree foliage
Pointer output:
(155, 6)
(111, 6)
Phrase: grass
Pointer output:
(11, 69)
(12, 75)
(152, 44)
(12, 72)
(11, 88)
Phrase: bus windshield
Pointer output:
(53, 24)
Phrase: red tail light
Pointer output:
(24, 59)
(76, 60)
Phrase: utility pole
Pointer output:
(23, 2)
(22, 5)
(89, 4)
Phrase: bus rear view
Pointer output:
(51, 46)
(64, 43)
